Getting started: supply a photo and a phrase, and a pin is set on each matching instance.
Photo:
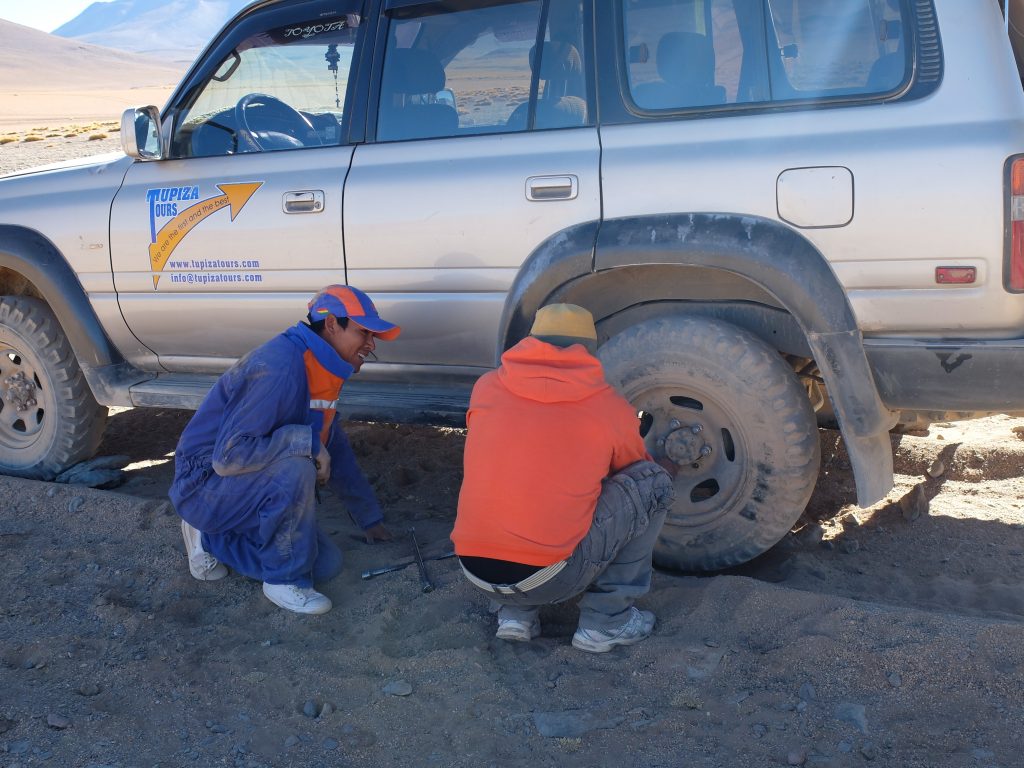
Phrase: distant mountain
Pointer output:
(176, 30)
(31, 60)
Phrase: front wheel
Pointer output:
(49, 419)
(732, 417)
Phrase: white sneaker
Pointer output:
(297, 599)
(517, 631)
(637, 628)
(201, 564)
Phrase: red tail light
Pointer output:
(1015, 276)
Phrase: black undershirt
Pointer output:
(498, 571)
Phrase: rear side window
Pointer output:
(497, 68)
(685, 54)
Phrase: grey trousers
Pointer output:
(611, 566)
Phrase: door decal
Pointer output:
(164, 202)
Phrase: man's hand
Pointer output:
(377, 533)
(323, 465)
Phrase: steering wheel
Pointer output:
(291, 127)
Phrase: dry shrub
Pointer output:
(97, 136)
(53, 135)
(6, 139)
(32, 137)
(70, 135)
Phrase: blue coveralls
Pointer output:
(244, 473)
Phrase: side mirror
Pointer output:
(140, 133)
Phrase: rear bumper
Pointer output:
(967, 377)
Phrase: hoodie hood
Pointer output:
(536, 370)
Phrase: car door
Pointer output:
(482, 152)
(218, 246)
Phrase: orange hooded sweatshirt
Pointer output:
(544, 430)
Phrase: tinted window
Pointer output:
(478, 71)
(706, 53)
(282, 86)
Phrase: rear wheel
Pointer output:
(49, 419)
(729, 412)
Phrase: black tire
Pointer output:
(707, 386)
(49, 420)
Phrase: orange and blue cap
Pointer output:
(346, 301)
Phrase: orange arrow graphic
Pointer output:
(174, 231)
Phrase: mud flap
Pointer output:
(863, 419)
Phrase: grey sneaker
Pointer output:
(517, 631)
(201, 564)
(637, 628)
(297, 599)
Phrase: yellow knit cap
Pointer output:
(564, 321)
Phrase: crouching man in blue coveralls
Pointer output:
(247, 464)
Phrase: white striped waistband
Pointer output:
(543, 576)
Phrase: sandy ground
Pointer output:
(892, 636)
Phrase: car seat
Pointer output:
(561, 105)
(686, 66)
(410, 73)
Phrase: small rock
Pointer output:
(291, 741)
(983, 754)
(60, 722)
(853, 714)
(845, 747)
(218, 728)
(848, 546)
(937, 468)
(914, 504)
(807, 692)
(51, 492)
(895, 679)
(571, 724)
(759, 730)
(310, 709)
(88, 689)
(6, 725)
(19, 747)
(801, 707)
(398, 688)
(1018, 431)
(811, 535)
(868, 751)
(75, 504)
(330, 743)
(328, 708)
(796, 757)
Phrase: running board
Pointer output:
(360, 401)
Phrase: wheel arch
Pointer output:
(31, 265)
(760, 274)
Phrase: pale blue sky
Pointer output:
(46, 15)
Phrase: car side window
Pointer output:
(478, 71)
(282, 85)
(685, 54)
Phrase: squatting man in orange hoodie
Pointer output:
(560, 497)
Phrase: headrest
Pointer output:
(686, 57)
(558, 61)
(412, 71)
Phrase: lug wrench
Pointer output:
(425, 581)
(369, 574)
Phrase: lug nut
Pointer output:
(696, 429)
(674, 424)
(705, 450)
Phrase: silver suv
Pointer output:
(779, 211)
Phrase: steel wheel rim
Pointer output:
(22, 395)
(678, 424)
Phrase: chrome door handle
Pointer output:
(306, 201)
(541, 188)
